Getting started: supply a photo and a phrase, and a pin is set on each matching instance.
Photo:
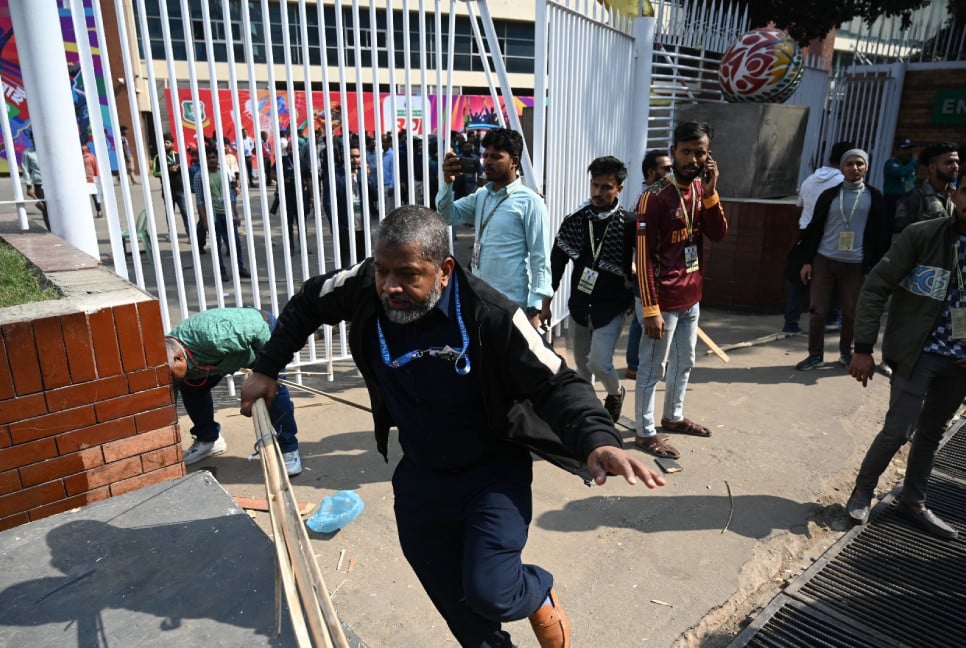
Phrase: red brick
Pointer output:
(149, 314)
(129, 337)
(67, 504)
(142, 380)
(86, 393)
(161, 458)
(18, 338)
(13, 521)
(44, 471)
(27, 453)
(6, 380)
(139, 444)
(104, 336)
(5, 436)
(17, 409)
(103, 476)
(154, 419)
(95, 435)
(80, 348)
(134, 403)
(51, 424)
(51, 352)
(156, 477)
(28, 498)
(9, 482)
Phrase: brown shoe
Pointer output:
(630, 374)
(657, 446)
(550, 624)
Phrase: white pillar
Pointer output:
(54, 128)
(643, 57)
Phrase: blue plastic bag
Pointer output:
(336, 511)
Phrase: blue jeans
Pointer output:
(671, 358)
(634, 335)
(594, 352)
(201, 409)
(922, 403)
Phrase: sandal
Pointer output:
(685, 426)
(657, 446)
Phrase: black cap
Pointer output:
(904, 143)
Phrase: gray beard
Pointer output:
(418, 311)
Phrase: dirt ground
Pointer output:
(684, 565)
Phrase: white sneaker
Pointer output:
(201, 449)
(293, 462)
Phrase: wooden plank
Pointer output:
(261, 504)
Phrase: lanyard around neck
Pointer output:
(460, 360)
(855, 205)
(488, 217)
(688, 220)
(595, 251)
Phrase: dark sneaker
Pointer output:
(613, 404)
(811, 362)
(244, 273)
(792, 329)
(845, 360)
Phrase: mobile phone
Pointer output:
(706, 173)
(468, 165)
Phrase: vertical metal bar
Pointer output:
(540, 67)
(427, 110)
(485, 60)
(441, 106)
(450, 55)
(12, 164)
(293, 155)
(48, 89)
(391, 33)
(243, 171)
(142, 155)
(178, 134)
(313, 137)
(343, 100)
(106, 179)
(407, 81)
(506, 88)
(199, 132)
(377, 110)
(263, 176)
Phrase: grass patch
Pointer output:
(19, 281)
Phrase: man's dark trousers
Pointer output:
(463, 533)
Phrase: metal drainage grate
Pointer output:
(951, 458)
(887, 583)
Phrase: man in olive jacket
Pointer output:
(925, 343)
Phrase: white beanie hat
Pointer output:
(856, 152)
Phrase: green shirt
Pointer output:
(220, 341)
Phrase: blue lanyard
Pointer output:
(459, 358)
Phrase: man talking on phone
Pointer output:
(673, 217)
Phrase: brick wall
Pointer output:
(86, 407)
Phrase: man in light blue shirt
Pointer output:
(512, 248)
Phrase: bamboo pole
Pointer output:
(311, 596)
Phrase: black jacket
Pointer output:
(876, 236)
(531, 397)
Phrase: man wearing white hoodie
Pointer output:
(824, 177)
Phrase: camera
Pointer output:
(468, 165)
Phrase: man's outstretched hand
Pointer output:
(609, 459)
(257, 386)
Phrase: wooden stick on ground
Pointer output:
(714, 347)
(311, 596)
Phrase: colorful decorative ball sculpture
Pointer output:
(763, 66)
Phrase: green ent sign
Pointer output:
(950, 107)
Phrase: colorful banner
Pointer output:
(468, 112)
(15, 96)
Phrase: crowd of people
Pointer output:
(441, 345)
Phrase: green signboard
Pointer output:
(950, 107)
